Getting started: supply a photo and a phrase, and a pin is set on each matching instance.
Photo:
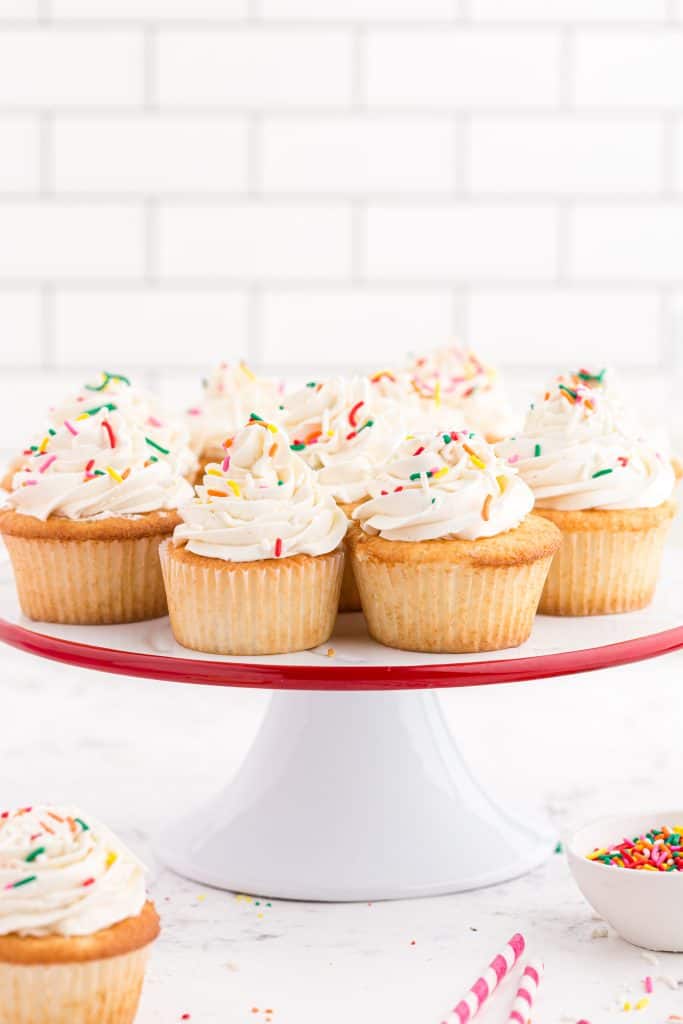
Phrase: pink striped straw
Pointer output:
(490, 979)
(526, 993)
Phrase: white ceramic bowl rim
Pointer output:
(589, 836)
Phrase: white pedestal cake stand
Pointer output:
(354, 788)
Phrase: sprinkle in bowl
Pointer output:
(644, 906)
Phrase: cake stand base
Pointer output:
(354, 796)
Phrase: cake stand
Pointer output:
(354, 788)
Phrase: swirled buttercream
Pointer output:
(95, 466)
(116, 393)
(577, 452)
(454, 379)
(447, 486)
(345, 431)
(262, 501)
(62, 873)
(230, 395)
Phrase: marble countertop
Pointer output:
(136, 753)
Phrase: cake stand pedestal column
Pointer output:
(354, 796)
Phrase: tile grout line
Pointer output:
(462, 132)
(359, 69)
(359, 243)
(255, 154)
(47, 326)
(669, 156)
(255, 326)
(567, 69)
(47, 167)
(670, 330)
(152, 242)
(564, 214)
(150, 87)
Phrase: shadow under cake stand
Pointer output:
(354, 788)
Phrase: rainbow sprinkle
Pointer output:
(22, 881)
(159, 448)
(601, 472)
(109, 406)
(660, 849)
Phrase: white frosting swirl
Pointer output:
(62, 873)
(448, 486)
(454, 378)
(262, 501)
(421, 414)
(139, 408)
(346, 432)
(576, 452)
(96, 467)
(634, 417)
(230, 395)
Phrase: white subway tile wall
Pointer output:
(333, 182)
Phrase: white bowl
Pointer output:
(644, 907)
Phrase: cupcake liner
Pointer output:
(268, 607)
(93, 992)
(88, 582)
(349, 597)
(449, 608)
(599, 572)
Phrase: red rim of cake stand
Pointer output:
(338, 677)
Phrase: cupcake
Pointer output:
(256, 565)
(607, 491)
(454, 381)
(229, 397)
(76, 927)
(634, 417)
(421, 413)
(344, 431)
(448, 558)
(85, 519)
(116, 393)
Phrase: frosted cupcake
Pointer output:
(421, 413)
(634, 418)
(230, 395)
(76, 926)
(256, 565)
(115, 392)
(345, 431)
(85, 519)
(448, 558)
(608, 492)
(455, 381)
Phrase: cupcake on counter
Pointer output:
(256, 565)
(116, 393)
(454, 381)
(230, 395)
(76, 927)
(609, 492)
(85, 519)
(345, 432)
(448, 558)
